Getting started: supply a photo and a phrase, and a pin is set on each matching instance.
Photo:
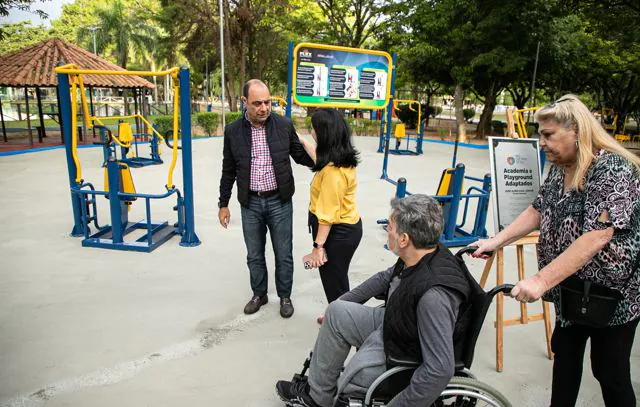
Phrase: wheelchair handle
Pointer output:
(503, 288)
(469, 250)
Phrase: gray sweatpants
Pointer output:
(346, 324)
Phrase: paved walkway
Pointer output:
(88, 327)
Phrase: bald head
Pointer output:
(252, 83)
(257, 101)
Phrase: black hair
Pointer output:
(334, 140)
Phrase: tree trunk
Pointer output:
(229, 76)
(484, 125)
(426, 112)
(458, 98)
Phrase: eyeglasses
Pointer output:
(553, 104)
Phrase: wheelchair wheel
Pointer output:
(466, 392)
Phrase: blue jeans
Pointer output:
(257, 216)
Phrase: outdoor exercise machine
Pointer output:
(450, 195)
(515, 118)
(400, 131)
(280, 103)
(119, 187)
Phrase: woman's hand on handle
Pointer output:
(530, 289)
(484, 247)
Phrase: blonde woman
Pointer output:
(588, 213)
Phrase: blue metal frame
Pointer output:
(83, 194)
(453, 233)
(189, 238)
(287, 111)
(419, 138)
(65, 116)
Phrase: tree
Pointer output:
(351, 22)
(14, 36)
(123, 28)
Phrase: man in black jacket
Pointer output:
(426, 290)
(257, 147)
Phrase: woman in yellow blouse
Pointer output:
(334, 219)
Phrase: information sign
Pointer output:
(331, 76)
(515, 171)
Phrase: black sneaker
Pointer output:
(286, 307)
(295, 394)
(255, 303)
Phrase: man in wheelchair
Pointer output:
(427, 293)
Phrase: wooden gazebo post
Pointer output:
(4, 130)
(44, 132)
(26, 100)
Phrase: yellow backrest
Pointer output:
(400, 131)
(125, 133)
(127, 181)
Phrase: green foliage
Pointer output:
(208, 121)
(468, 114)
(433, 111)
(122, 26)
(19, 35)
(230, 117)
(408, 116)
(363, 127)
(307, 123)
(162, 122)
(499, 127)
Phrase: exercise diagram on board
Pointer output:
(326, 75)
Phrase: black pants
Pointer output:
(341, 244)
(610, 354)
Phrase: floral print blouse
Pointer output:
(612, 183)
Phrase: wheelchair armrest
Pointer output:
(391, 361)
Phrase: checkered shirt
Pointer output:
(263, 177)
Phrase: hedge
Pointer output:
(208, 121)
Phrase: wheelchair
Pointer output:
(464, 389)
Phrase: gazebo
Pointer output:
(32, 67)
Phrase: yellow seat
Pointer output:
(125, 133)
(445, 182)
(623, 137)
(400, 132)
(126, 181)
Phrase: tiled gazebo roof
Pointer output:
(33, 67)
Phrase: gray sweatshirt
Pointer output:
(436, 315)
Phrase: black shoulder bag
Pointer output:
(588, 303)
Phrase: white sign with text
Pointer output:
(515, 171)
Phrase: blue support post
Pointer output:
(401, 189)
(382, 133)
(385, 161)
(451, 218)
(189, 237)
(119, 218)
(420, 137)
(287, 111)
(479, 229)
(65, 117)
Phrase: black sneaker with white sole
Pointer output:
(295, 394)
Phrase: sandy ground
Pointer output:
(91, 327)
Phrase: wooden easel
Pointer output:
(524, 318)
